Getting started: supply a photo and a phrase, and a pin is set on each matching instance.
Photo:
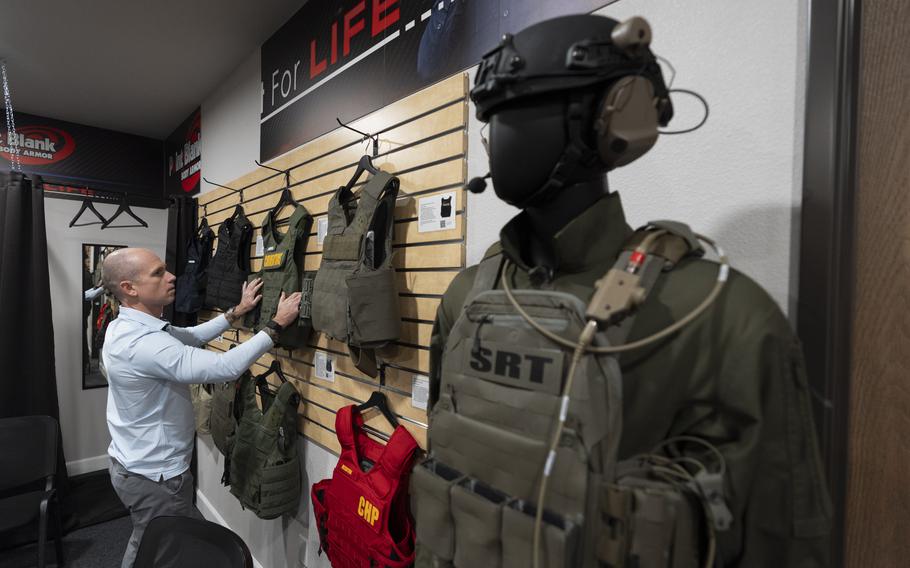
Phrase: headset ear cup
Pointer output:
(627, 121)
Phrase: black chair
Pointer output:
(182, 542)
(28, 462)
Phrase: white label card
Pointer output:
(420, 391)
(322, 227)
(436, 212)
(325, 366)
(260, 246)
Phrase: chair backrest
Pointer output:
(28, 449)
(176, 542)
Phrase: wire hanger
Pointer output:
(87, 205)
(124, 208)
(379, 401)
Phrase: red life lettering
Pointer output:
(380, 22)
(315, 68)
(351, 30)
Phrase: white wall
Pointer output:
(82, 412)
(738, 179)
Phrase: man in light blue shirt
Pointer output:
(150, 365)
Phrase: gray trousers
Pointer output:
(146, 499)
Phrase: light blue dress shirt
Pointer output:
(150, 365)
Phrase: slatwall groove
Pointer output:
(424, 143)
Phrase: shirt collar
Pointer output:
(594, 237)
(143, 318)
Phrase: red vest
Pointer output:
(364, 518)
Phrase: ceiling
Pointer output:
(133, 66)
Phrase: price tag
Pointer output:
(325, 366)
(420, 391)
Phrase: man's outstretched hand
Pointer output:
(288, 309)
(250, 296)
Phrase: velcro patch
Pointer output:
(273, 260)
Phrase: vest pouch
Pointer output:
(559, 538)
(648, 523)
(279, 490)
(222, 423)
(477, 512)
(431, 484)
(373, 307)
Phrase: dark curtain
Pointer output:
(28, 378)
(28, 381)
(181, 224)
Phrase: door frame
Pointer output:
(827, 233)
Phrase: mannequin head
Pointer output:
(567, 100)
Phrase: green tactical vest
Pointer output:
(282, 271)
(225, 413)
(499, 401)
(354, 296)
(264, 467)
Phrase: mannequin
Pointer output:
(567, 101)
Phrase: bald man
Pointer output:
(150, 365)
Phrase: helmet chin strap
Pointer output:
(576, 152)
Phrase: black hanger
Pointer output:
(87, 205)
(286, 200)
(364, 165)
(263, 385)
(238, 210)
(378, 400)
(124, 208)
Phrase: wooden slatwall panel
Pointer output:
(423, 142)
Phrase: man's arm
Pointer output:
(160, 357)
(202, 333)
(205, 332)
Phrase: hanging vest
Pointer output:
(499, 402)
(363, 516)
(264, 467)
(225, 413)
(282, 271)
(201, 396)
(191, 283)
(354, 297)
(231, 264)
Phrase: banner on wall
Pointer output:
(348, 58)
(84, 155)
(183, 152)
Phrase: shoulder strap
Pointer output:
(283, 402)
(666, 252)
(486, 277)
(398, 451)
(344, 426)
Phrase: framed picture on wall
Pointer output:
(99, 308)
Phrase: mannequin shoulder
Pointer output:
(461, 285)
(742, 303)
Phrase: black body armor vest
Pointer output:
(231, 264)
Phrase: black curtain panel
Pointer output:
(181, 224)
(28, 382)
(28, 379)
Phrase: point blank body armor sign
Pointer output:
(422, 141)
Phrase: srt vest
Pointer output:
(282, 270)
(354, 297)
(192, 282)
(264, 469)
(231, 264)
(499, 401)
(363, 516)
